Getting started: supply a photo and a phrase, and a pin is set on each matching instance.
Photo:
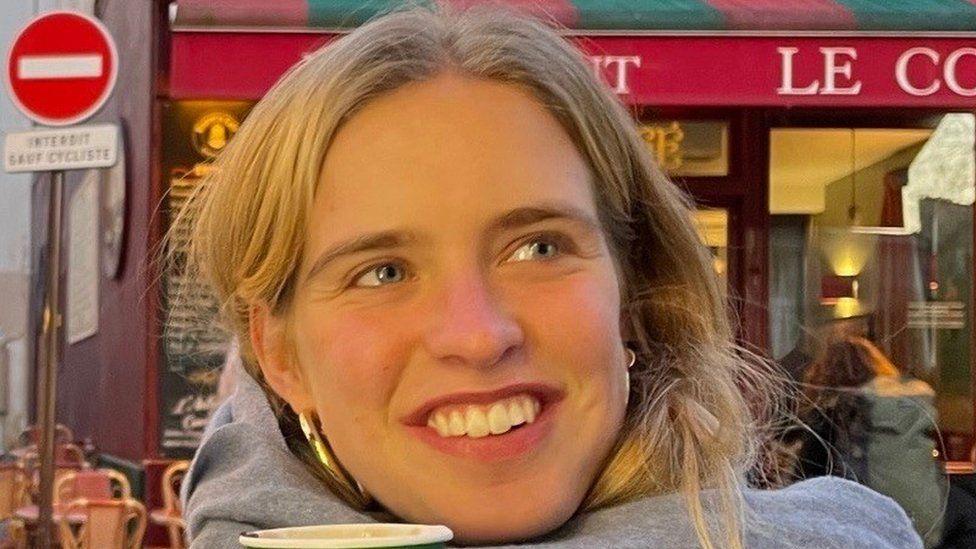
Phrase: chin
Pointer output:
(498, 524)
(484, 533)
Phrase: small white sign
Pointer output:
(944, 315)
(70, 148)
(82, 288)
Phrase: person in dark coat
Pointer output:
(869, 423)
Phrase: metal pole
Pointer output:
(49, 366)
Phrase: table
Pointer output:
(30, 515)
(164, 517)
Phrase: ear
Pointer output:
(271, 348)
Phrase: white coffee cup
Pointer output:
(350, 536)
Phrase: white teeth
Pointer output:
(458, 427)
(515, 415)
(479, 421)
(529, 409)
(442, 424)
(498, 421)
(438, 422)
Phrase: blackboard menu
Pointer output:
(194, 345)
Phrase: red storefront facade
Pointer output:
(756, 98)
(751, 82)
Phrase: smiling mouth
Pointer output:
(480, 444)
(477, 420)
(488, 426)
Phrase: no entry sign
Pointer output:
(61, 68)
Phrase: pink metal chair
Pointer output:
(108, 524)
(91, 484)
(31, 435)
(171, 515)
(14, 489)
(68, 458)
(16, 535)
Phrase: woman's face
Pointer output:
(457, 317)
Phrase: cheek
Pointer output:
(576, 327)
(578, 316)
(350, 360)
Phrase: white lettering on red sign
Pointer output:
(949, 72)
(786, 86)
(845, 68)
(901, 72)
(832, 69)
(618, 77)
(838, 71)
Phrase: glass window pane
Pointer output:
(871, 235)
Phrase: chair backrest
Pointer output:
(92, 484)
(14, 488)
(68, 453)
(32, 435)
(109, 524)
(172, 479)
(59, 473)
(16, 534)
(66, 456)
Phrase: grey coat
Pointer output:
(245, 478)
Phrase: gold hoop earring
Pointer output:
(341, 481)
(630, 364)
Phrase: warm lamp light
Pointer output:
(847, 307)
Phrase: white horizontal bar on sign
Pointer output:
(36, 67)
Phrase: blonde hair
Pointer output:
(881, 364)
(254, 209)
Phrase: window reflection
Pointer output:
(871, 235)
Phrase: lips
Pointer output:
(493, 450)
(544, 393)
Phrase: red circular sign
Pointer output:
(61, 68)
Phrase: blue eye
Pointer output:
(536, 249)
(380, 275)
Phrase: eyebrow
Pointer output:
(511, 220)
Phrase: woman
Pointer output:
(871, 424)
(465, 295)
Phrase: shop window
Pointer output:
(689, 148)
(871, 235)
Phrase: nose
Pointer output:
(469, 324)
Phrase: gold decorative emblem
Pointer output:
(664, 141)
(212, 131)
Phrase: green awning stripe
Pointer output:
(662, 14)
(590, 14)
(596, 15)
(917, 15)
(351, 13)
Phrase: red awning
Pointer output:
(679, 52)
(602, 15)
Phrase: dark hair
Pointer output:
(844, 364)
